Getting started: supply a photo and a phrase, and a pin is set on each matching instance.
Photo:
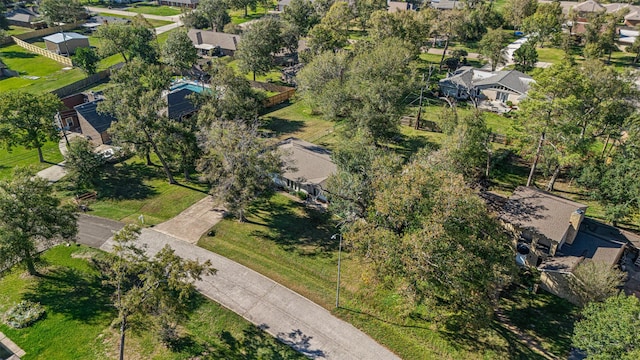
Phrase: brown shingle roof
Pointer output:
(310, 163)
(541, 212)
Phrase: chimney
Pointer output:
(199, 37)
(574, 225)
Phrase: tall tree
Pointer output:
(86, 59)
(28, 120)
(179, 52)
(515, 11)
(62, 11)
(146, 285)
(194, 19)
(129, 41)
(258, 45)
(363, 9)
(610, 330)
(233, 98)
(452, 255)
(492, 47)
(302, 15)
(238, 164)
(546, 21)
(525, 57)
(216, 12)
(83, 165)
(244, 5)
(31, 217)
(595, 281)
(467, 149)
(413, 27)
(367, 90)
(136, 102)
(333, 31)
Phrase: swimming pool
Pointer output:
(189, 86)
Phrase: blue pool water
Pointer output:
(189, 86)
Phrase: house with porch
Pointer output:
(553, 235)
(307, 167)
(471, 83)
(25, 17)
(191, 4)
(212, 43)
(93, 124)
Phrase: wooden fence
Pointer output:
(41, 32)
(284, 93)
(86, 82)
(40, 51)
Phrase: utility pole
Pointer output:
(421, 94)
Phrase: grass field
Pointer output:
(153, 22)
(21, 157)
(237, 16)
(292, 245)
(130, 189)
(155, 10)
(78, 321)
(17, 30)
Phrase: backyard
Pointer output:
(21, 157)
(79, 318)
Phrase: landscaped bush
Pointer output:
(23, 314)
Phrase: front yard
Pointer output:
(79, 318)
(20, 156)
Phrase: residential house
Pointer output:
(212, 43)
(395, 6)
(553, 235)
(94, 125)
(447, 4)
(470, 83)
(180, 99)
(65, 43)
(307, 167)
(67, 119)
(179, 3)
(25, 18)
(282, 4)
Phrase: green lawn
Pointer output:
(79, 315)
(292, 245)
(550, 55)
(50, 73)
(131, 189)
(20, 156)
(297, 120)
(17, 30)
(155, 10)
(237, 16)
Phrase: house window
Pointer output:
(502, 96)
(69, 121)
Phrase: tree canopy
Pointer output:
(31, 217)
(610, 330)
(258, 45)
(179, 52)
(28, 120)
(130, 41)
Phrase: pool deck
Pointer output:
(12, 347)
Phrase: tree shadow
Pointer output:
(301, 343)
(126, 182)
(68, 291)
(296, 227)
(279, 126)
(18, 55)
(508, 170)
(410, 144)
(414, 316)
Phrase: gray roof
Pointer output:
(309, 163)
(179, 103)
(513, 79)
(447, 4)
(223, 40)
(100, 121)
(461, 77)
(540, 212)
(58, 38)
(394, 6)
(22, 15)
(589, 6)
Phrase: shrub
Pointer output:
(23, 314)
(301, 195)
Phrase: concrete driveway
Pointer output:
(193, 222)
(95, 231)
(288, 316)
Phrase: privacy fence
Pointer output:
(44, 52)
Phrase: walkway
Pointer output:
(291, 318)
(57, 171)
(193, 222)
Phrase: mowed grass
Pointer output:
(50, 73)
(161, 10)
(128, 190)
(292, 244)
(298, 120)
(79, 315)
(17, 30)
(237, 16)
(21, 157)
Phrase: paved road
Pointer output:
(293, 319)
(193, 222)
(95, 231)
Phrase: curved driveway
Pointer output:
(288, 316)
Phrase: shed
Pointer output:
(65, 43)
